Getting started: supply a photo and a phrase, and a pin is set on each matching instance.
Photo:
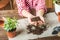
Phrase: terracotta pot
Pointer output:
(11, 34)
(59, 16)
(57, 10)
(3, 3)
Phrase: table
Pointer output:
(51, 19)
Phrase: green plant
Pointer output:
(56, 1)
(10, 24)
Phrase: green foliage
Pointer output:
(54, 1)
(10, 23)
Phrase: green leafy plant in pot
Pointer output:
(10, 26)
(57, 8)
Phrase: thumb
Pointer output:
(42, 18)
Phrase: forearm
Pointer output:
(40, 12)
(26, 13)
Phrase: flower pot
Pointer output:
(59, 16)
(57, 10)
(1, 22)
(11, 34)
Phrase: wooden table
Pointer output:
(50, 18)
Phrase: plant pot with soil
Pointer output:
(57, 8)
(10, 26)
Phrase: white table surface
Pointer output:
(52, 21)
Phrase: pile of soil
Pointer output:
(36, 29)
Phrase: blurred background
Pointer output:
(11, 4)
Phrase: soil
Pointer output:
(35, 19)
(12, 30)
(36, 29)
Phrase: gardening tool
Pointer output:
(56, 30)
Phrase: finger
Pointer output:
(40, 22)
(32, 23)
(35, 24)
(42, 18)
(29, 19)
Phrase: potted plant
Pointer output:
(57, 8)
(10, 26)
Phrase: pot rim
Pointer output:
(12, 30)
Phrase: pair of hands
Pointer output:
(30, 16)
(40, 22)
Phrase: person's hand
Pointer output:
(40, 13)
(40, 22)
(32, 22)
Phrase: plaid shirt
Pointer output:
(26, 4)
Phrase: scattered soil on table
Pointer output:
(36, 29)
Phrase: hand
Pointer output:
(40, 13)
(40, 22)
(32, 22)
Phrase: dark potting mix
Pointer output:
(36, 29)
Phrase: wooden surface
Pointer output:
(10, 13)
(3, 35)
(48, 38)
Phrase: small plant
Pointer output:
(54, 1)
(10, 24)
